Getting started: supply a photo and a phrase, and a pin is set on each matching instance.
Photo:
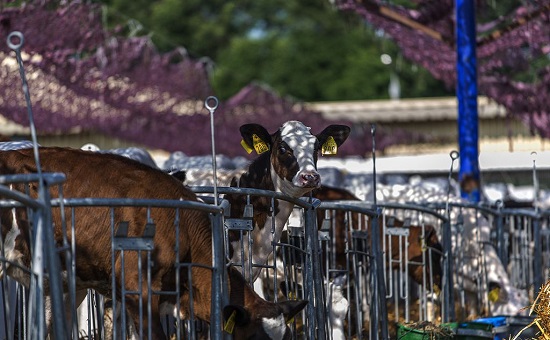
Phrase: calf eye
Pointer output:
(282, 149)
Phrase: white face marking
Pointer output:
(302, 142)
(275, 328)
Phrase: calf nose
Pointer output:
(311, 179)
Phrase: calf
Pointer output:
(286, 164)
(418, 240)
(95, 175)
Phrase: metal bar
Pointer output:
(19, 197)
(447, 281)
(314, 280)
(212, 108)
(537, 263)
(219, 296)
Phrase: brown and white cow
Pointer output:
(94, 175)
(287, 164)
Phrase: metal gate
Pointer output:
(27, 313)
(352, 271)
(293, 270)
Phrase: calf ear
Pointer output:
(236, 315)
(256, 137)
(292, 307)
(178, 174)
(339, 132)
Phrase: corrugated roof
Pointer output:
(417, 109)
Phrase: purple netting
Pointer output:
(513, 65)
(83, 78)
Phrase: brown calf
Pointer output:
(94, 175)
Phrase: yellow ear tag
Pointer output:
(291, 296)
(329, 147)
(230, 323)
(246, 147)
(493, 295)
(259, 145)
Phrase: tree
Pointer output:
(304, 49)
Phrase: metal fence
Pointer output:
(361, 269)
(31, 312)
(293, 270)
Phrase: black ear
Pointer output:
(292, 307)
(178, 174)
(339, 132)
(241, 317)
(248, 130)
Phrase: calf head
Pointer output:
(292, 151)
(265, 320)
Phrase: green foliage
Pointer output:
(305, 49)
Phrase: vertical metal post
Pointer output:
(502, 252)
(448, 286)
(379, 327)
(537, 265)
(447, 289)
(316, 311)
(218, 296)
(535, 183)
(212, 108)
(44, 221)
(537, 261)
(466, 93)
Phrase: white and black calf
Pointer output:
(287, 164)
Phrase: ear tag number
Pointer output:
(259, 145)
(246, 147)
(230, 323)
(329, 147)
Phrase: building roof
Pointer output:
(439, 163)
(416, 109)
